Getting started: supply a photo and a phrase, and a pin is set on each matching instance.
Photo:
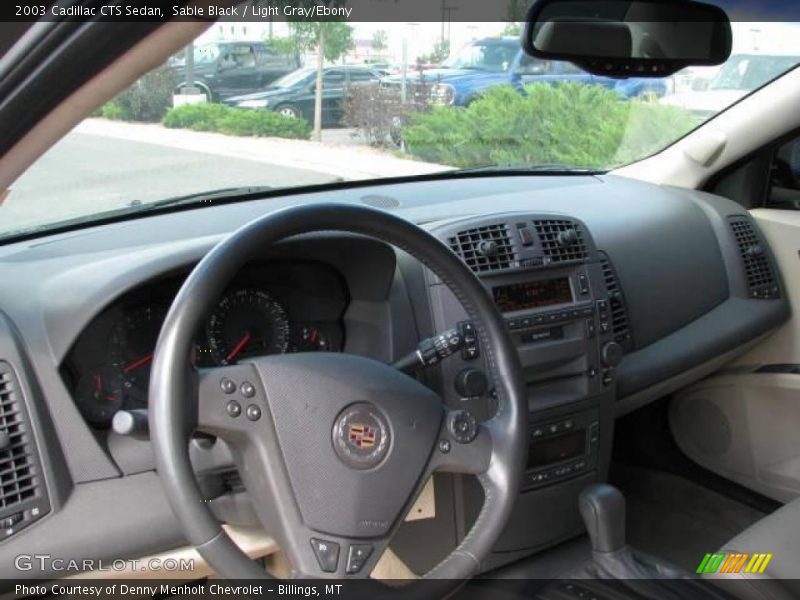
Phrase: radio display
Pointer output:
(532, 294)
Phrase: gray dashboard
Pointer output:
(676, 256)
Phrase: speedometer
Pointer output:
(247, 322)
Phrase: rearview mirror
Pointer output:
(628, 38)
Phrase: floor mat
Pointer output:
(676, 519)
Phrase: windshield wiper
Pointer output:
(543, 169)
(205, 197)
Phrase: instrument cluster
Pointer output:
(269, 308)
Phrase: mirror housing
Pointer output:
(628, 38)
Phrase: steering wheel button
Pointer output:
(357, 556)
(327, 554)
(233, 408)
(253, 412)
(227, 386)
(248, 389)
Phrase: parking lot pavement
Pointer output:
(332, 156)
(104, 165)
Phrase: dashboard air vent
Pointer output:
(761, 281)
(19, 478)
(619, 312)
(561, 240)
(486, 248)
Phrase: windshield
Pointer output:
(750, 72)
(294, 78)
(484, 56)
(206, 54)
(162, 139)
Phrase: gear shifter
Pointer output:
(603, 511)
(602, 507)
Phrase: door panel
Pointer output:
(743, 424)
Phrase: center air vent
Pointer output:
(761, 281)
(484, 249)
(620, 327)
(21, 492)
(561, 240)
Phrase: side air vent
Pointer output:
(761, 280)
(561, 240)
(21, 488)
(484, 249)
(620, 327)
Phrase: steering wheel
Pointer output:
(333, 448)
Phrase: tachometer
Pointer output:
(130, 348)
(99, 394)
(247, 322)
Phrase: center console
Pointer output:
(565, 312)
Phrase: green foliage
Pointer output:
(199, 117)
(284, 45)
(236, 121)
(440, 52)
(149, 98)
(380, 41)
(568, 123)
(110, 110)
(338, 37)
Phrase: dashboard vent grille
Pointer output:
(619, 312)
(486, 248)
(561, 240)
(761, 282)
(18, 472)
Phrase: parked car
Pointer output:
(294, 94)
(224, 69)
(742, 74)
(488, 62)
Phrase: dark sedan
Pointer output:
(293, 95)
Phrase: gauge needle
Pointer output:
(138, 363)
(238, 347)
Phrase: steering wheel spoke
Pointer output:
(458, 453)
(230, 401)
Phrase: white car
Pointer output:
(742, 74)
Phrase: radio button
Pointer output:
(590, 329)
(583, 284)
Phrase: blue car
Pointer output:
(488, 62)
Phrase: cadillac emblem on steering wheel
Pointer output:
(361, 436)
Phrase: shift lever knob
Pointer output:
(602, 508)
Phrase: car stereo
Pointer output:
(532, 294)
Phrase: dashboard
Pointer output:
(270, 308)
(614, 291)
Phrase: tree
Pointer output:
(380, 41)
(517, 10)
(439, 53)
(332, 40)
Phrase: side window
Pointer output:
(529, 65)
(266, 57)
(333, 79)
(360, 75)
(238, 57)
(784, 189)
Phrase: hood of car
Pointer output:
(445, 76)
